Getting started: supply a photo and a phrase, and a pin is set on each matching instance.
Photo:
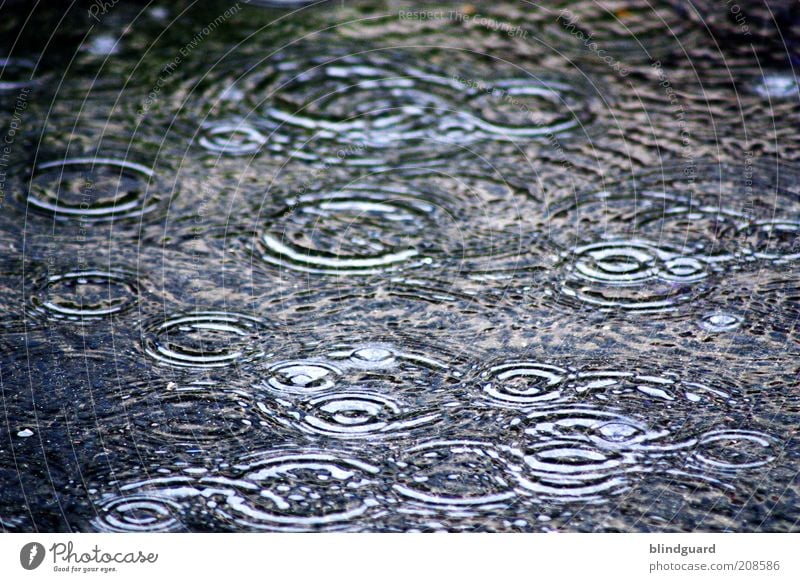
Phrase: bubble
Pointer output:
(86, 295)
(302, 376)
(302, 491)
(777, 86)
(231, 138)
(733, 450)
(454, 476)
(720, 321)
(92, 189)
(137, 513)
(523, 383)
(208, 339)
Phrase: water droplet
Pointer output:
(351, 414)
(605, 429)
(200, 413)
(718, 322)
(16, 73)
(204, 339)
(349, 233)
(527, 108)
(777, 86)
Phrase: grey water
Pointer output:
(377, 266)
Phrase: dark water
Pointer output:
(496, 268)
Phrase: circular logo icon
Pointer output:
(31, 555)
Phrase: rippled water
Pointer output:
(363, 268)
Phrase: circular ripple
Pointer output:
(729, 451)
(601, 428)
(523, 383)
(302, 376)
(667, 207)
(537, 107)
(569, 470)
(91, 189)
(349, 415)
(349, 232)
(86, 295)
(631, 275)
(230, 138)
(304, 491)
(619, 387)
(360, 101)
(137, 513)
(454, 475)
(199, 413)
(777, 240)
(203, 340)
(16, 73)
